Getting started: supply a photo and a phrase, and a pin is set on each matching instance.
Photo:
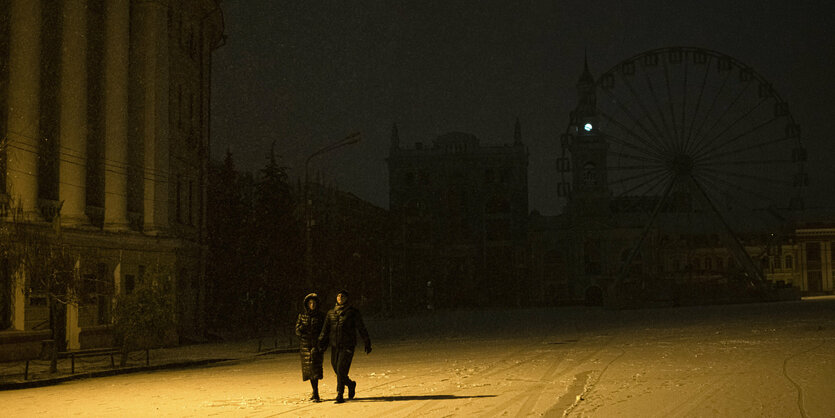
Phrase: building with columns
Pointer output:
(104, 122)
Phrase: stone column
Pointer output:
(73, 123)
(73, 331)
(23, 99)
(117, 37)
(152, 16)
(19, 311)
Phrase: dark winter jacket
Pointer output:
(341, 326)
(308, 326)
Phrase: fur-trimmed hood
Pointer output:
(313, 296)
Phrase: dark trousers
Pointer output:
(341, 361)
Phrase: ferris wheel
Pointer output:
(690, 130)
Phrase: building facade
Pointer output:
(104, 117)
(459, 211)
(349, 238)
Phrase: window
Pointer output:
(589, 175)
(178, 209)
(191, 111)
(788, 263)
(5, 295)
(489, 176)
(179, 106)
(708, 263)
(130, 283)
(505, 175)
(591, 256)
(497, 205)
(423, 178)
(190, 200)
(104, 289)
(497, 229)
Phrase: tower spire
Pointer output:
(517, 132)
(395, 137)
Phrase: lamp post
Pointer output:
(308, 249)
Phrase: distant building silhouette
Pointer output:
(459, 212)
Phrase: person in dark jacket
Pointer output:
(308, 326)
(342, 324)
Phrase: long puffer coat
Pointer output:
(308, 326)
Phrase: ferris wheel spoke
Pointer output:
(651, 152)
(715, 100)
(651, 140)
(658, 179)
(636, 176)
(724, 188)
(765, 183)
(744, 163)
(699, 149)
(698, 105)
(660, 111)
(725, 112)
(632, 157)
(707, 153)
(681, 137)
(746, 148)
(659, 133)
(674, 138)
(637, 167)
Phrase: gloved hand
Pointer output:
(367, 348)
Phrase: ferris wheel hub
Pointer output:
(682, 165)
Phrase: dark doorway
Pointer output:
(815, 279)
(594, 296)
(59, 324)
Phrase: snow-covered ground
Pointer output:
(736, 360)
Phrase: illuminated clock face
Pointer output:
(587, 127)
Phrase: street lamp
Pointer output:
(308, 249)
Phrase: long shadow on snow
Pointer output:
(416, 398)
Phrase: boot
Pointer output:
(339, 398)
(352, 389)
(315, 385)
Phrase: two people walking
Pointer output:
(337, 329)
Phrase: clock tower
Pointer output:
(587, 192)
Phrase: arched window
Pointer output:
(415, 207)
(497, 205)
(489, 175)
(589, 174)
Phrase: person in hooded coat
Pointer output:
(342, 324)
(308, 326)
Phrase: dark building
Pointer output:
(459, 212)
(348, 243)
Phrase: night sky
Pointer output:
(307, 73)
